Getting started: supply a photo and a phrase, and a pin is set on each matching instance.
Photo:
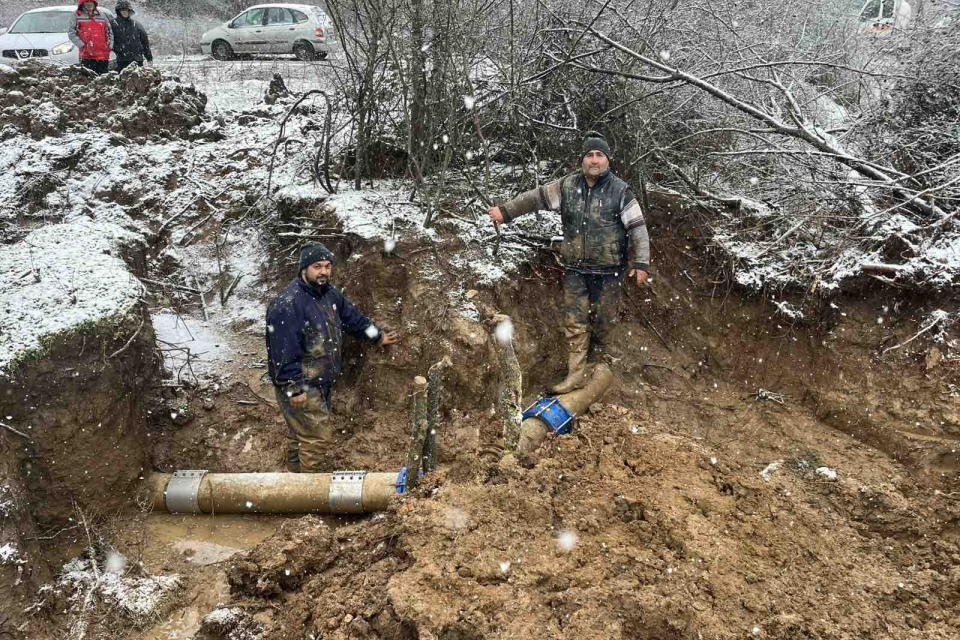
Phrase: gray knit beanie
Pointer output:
(594, 141)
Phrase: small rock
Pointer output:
(347, 619)
(208, 404)
(596, 408)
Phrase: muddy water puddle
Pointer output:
(204, 539)
(190, 544)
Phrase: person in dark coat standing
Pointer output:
(91, 32)
(130, 41)
(600, 217)
(305, 327)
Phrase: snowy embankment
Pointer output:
(59, 278)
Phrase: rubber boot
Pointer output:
(576, 365)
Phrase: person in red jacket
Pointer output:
(91, 32)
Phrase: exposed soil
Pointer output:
(747, 475)
(687, 504)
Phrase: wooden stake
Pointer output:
(434, 398)
(511, 388)
(418, 419)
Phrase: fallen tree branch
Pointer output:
(129, 342)
(12, 430)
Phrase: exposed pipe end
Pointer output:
(533, 430)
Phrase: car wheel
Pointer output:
(222, 50)
(304, 51)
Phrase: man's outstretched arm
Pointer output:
(543, 197)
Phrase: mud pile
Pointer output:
(46, 100)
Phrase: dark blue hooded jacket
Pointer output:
(305, 327)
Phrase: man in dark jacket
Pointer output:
(130, 41)
(305, 326)
(599, 214)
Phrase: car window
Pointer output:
(252, 18)
(299, 16)
(279, 15)
(43, 22)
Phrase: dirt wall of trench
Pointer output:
(83, 410)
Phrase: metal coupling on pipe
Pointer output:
(182, 494)
(346, 491)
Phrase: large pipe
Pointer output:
(212, 493)
(533, 430)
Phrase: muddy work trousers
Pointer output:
(309, 430)
(590, 303)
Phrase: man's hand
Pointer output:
(299, 400)
(640, 275)
(390, 335)
(495, 215)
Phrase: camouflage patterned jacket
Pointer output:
(596, 221)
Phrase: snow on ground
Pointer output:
(137, 597)
(188, 337)
(241, 85)
(60, 277)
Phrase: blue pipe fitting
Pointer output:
(402, 479)
(551, 412)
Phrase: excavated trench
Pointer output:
(666, 462)
(694, 500)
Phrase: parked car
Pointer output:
(881, 17)
(271, 28)
(42, 33)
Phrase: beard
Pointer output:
(318, 282)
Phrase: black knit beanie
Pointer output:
(314, 252)
(594, 141)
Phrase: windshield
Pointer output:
(43, 22)
(874, 9)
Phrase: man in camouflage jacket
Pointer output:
(599, 212)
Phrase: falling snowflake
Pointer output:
(567, 540)
(115, 563)
(469, 155)
(249, 505)
(389, 245)
(468, 102)
(445, 138)
(504, 331)
(372, 331)
(269, 328)
(754, 180)
(455, 518)
(664, 55)
(504, 567)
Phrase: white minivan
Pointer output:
(271, 28)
